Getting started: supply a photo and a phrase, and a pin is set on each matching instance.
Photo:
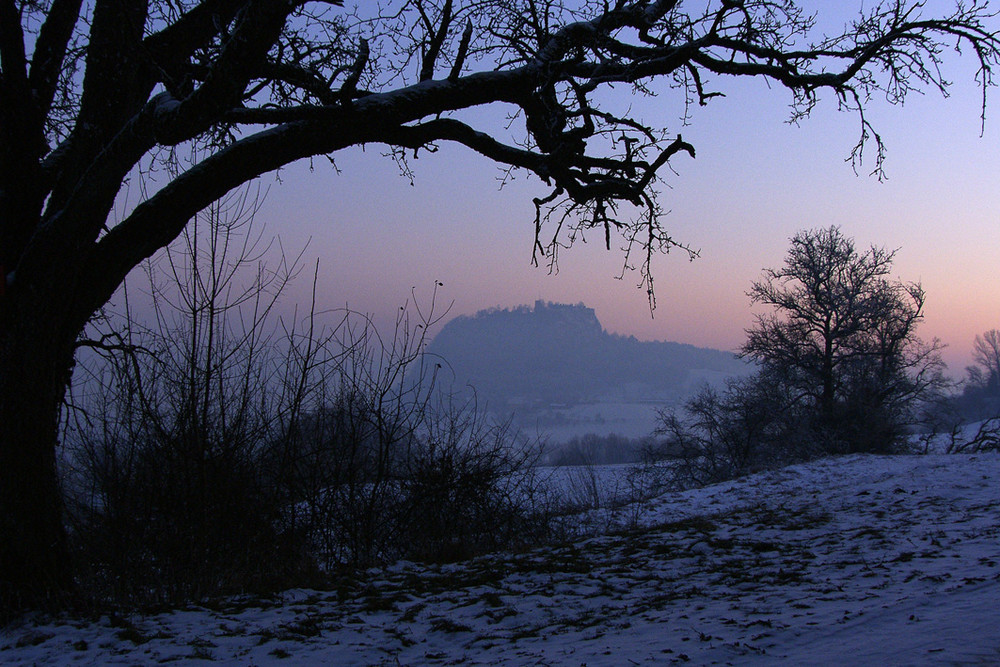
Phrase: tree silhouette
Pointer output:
(980, 397)
(842, 341)
(192, 99)
(839, 368)
(986, 355)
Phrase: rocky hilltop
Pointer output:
(554, 354)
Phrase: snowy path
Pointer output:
(858, 560)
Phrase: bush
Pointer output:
(750, 426)
(171, 520)
(220, 451)
(468, 488)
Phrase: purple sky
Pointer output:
(755, 182)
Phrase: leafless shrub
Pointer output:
(468, 488)
(750, 426)
(986, 438)
(222, 450)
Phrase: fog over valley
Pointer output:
(554, 368)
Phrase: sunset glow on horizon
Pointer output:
(755, 182)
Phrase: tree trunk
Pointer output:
(35, 362)
(827, 397)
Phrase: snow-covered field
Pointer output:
(860, 560)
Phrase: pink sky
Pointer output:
(755, 182)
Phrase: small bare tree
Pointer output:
(979, 399)
(842, 337)
(840, 367)
(986, 355)
(170, 500)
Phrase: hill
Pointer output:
(534, 360)
(557, 353)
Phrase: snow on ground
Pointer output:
(860, 560)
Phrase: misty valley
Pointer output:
(556, 372)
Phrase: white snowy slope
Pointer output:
(860, 560)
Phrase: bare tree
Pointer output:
(839, 368)
(986, 355)
(980, 393)
(842, 338)
(168, 497)
(190, 99)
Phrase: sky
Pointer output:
(756, 181)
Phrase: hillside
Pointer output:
(857, 560)
(529, 359)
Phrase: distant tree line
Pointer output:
(594, 449)
(980, 395)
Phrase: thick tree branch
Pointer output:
(13, 61)
(447, 129)
(22, 142)
(115, 84)
(192, 31)
(258, 26)
(463, 52)
(158, 220)
(350, 86)
(50, 50)
(436, 41)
